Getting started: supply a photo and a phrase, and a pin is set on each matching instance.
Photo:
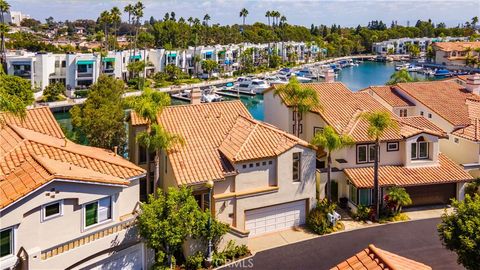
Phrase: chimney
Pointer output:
(473, 84)
(65, 141)
(329, 75)
(115, 150)
(196, 96)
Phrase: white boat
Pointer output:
(402, 66)
(209, 95)
(254, 86)
(275, 80)
(413, 68)
(302, 79)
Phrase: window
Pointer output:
(244, 166)
(52, 210)
(270, 162)
(392, 146)
(296, 167)
(317, 129)
(366, 153)
(352, 190)
(257, 164)
(64, 63)
(403, 113)
(250, 165)
(6, 242)
(429, 115)
(456, 140)
(365, 196)
(420, 149)
(57, 64)
(98, 211)
(203, 200)
(142, 155)
(421, 113)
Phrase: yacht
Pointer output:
(254, 86)
(302, 79)
(275, 80)
(306, 73)
(402, 66)
(413, 68)
(209, 95)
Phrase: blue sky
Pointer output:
(304, 12)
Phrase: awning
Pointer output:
(137, 57)
(208, 53)
(21, 63)
(85, 62)
(108, 59)
(172, 55)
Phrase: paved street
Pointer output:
(417, 240)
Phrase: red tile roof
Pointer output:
(250, 139)
(446, 171)
(389, 95)
(456, 46)
(35, 152)
(373, 258)
(341, 109)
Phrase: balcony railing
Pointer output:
(22, 73)
(85, 239)
(85, 74)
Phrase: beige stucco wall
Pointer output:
(463, 152)
(276, 113)
(288, 191)
(34, 235)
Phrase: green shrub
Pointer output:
(230, 250)
(242, 251)
(218, 259)
(317, 220)
(363, 213)
(81, 93)
(195, 261)
(473, 188)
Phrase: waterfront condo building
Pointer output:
(452, 105)
(64, 205)
(409, 155)
(264, 178)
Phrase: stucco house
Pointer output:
(64, 205)
(455, 53)
(264, 178)
(452, 105)
(409, 156)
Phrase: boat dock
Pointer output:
(228, 94)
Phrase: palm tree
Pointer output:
(379, 122)
(145, 40)
(302, 99)
(158, 140)
(399, 197)
(129, 9)
(243, 15)
(190, 21)
(4, 8)
(400, 76)
(116, 19)
(330, 141)
(138, 13)
(206, 18)
(105, 20)
(283, 20)
(275, 15)
(268, 14)
(148, 105)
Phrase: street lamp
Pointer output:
(209, 185)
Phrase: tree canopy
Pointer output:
(101, 118)
(15, 94)
(459, 231)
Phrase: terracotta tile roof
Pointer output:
(456, 46)
(31, 158)
(204, 128)
(389, 95)
(136, 120)
(341, 108)
(373, 258)
(39, 119)
(251, 139)
(446, 171)
(414, 125)
(441, 97)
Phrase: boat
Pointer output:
(306, 73)
(254, 86)
(402, 66)
(335, 67)
(429, 72)
(228, 86)
(209, 95)
(275, 80)
(413, 68)
(442, 73)
(285, 71)
(302, 79)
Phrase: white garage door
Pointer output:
(275, 218)
(130, 259)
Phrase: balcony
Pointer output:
(22, 73)
(85, 74)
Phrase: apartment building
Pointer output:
(400, 45)
(410, 156)
(263, 178)
(451, 106)
(64, 205)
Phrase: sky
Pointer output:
(300, 12)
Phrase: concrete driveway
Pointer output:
(417, 240)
